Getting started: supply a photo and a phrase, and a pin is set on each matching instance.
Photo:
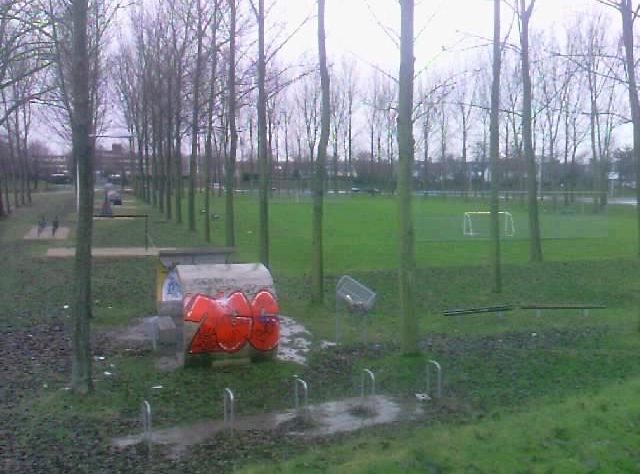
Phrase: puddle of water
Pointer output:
(294, 345)
(356, 413)
(295, 341)
(329, 418)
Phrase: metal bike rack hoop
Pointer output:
(435, 364)
(368, 375)
(229, 408)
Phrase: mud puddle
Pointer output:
(314, 421)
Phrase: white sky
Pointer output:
(354, 26)
(447, 30)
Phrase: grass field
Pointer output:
(360, 233)
(556, 393)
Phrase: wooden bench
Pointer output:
(539, 308)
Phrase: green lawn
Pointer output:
(522, 394)
(360, 233)
(595, 433)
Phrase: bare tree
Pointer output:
(81, 126)
(308, 102)
(494, 147)
(263, 154)
(317, 263)
(100, 15)
(195, 115)
(525, 10)
(24, 46)
(463, 98)
(405, 167)
(230, 165)
(628, 14)
(211, 104)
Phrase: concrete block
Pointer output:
(223, 279)
(167, 331)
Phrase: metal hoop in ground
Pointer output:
(147, 434)
(229, 408)
(433, 363)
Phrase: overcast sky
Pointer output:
(356, 28)
(448, 31)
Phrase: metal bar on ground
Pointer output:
(435, 364)
(298, 382)
(147, 435)
(368, 375)
(229, 408)
(479, 310)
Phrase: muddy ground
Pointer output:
(36, 361)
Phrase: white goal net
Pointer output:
(476, 223)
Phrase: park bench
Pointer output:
(539, 308)
(499, 309)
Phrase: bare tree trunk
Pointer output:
(263, 154)
(195, 118)
(208, 156)
(535, 245)
(230, 171)
(406, 231)
(26, 125)
(627, 13)
(210, 131)
(178, 187)
(5, 186)
(317, 260)
(168, 139)
(12, 162)
(3, 212)
(81, 371)
(465, 166)
(20, 158)
(494, 145)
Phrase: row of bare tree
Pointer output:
(36, 62)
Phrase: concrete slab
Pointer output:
(66, 252)
(161, 331)
(61, 234)
(167, 331)
(216, 279)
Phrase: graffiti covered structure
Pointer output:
(231, 324)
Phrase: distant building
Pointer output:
(117, 160)
(45, 166)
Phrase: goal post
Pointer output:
(509, 228)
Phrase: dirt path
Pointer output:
(61, 234)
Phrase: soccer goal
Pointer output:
(476, 223)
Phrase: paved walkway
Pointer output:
(61, 234)
(65, 252)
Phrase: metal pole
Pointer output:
(297, 381)
(439, 377)
(337, 319)
(146, 425)
(229, 408)
(366, 373)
